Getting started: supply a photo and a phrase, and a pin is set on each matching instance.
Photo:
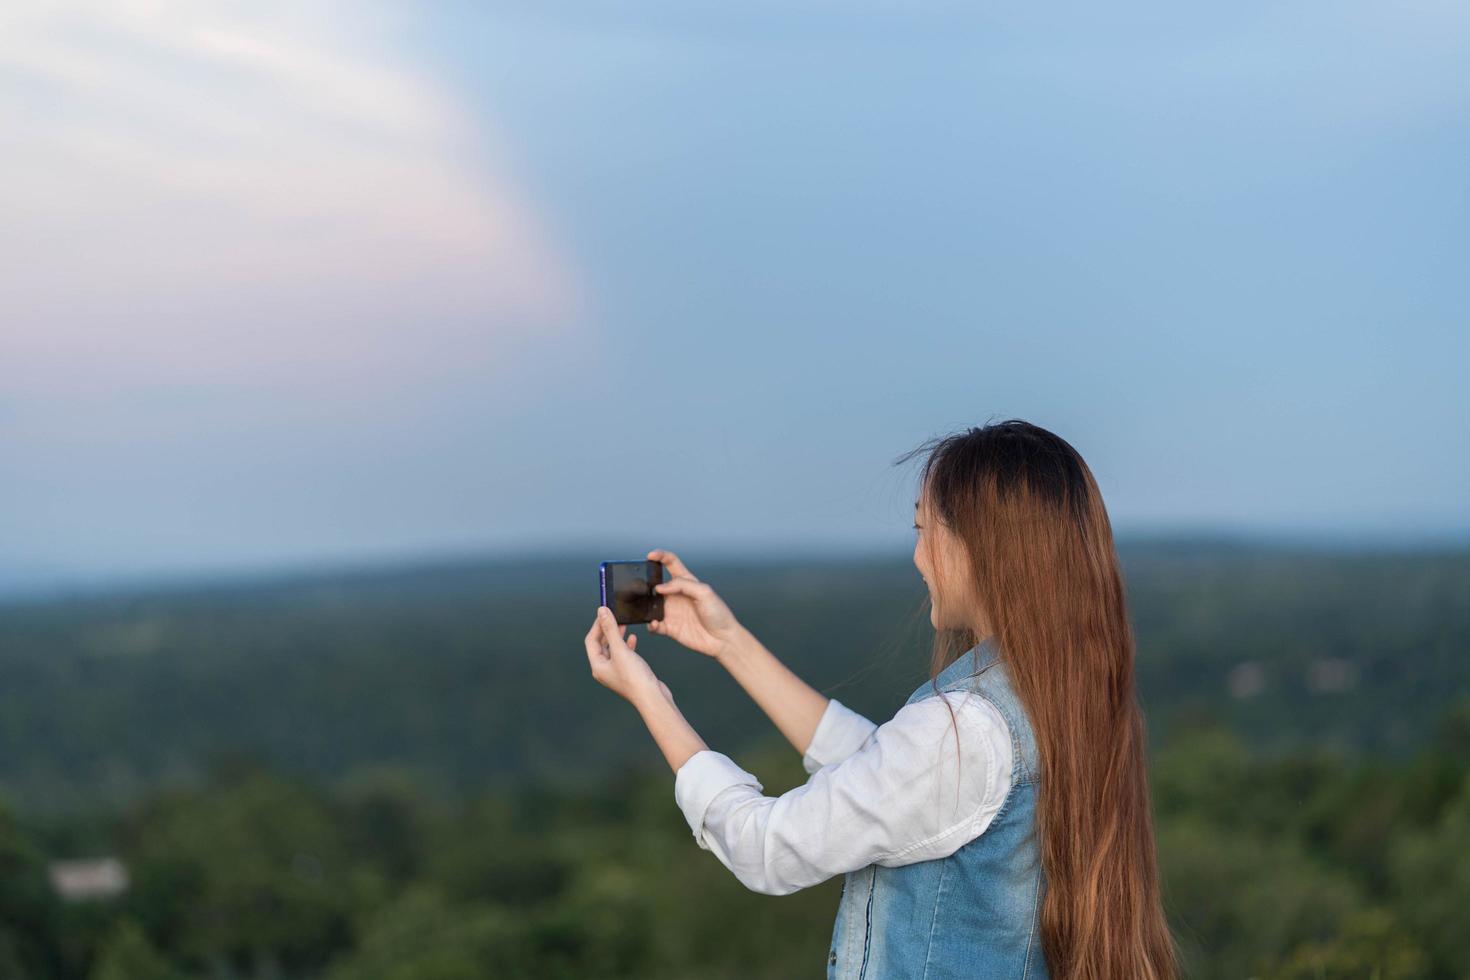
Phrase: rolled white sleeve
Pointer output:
(700, 779)
(840, 732)
(909, 792)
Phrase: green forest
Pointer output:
(407, 773)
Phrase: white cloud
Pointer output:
(192, 190)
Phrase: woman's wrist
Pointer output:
(651, 697)
(738, 648)
(673, 734)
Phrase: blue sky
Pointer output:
(355, 281)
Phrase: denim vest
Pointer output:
(975, 913)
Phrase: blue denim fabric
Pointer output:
(975, 913)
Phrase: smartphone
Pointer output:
(627, 589)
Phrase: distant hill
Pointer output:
(473, 673)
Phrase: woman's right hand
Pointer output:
(693, 614)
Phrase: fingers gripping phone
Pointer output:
(627, 589)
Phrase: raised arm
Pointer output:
(904, 797)
(792, 704)
(698, 618)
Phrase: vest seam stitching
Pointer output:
(852, 938)
(868, 924)
(1031, 935)
(934, 919)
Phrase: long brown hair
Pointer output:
(1046, 575)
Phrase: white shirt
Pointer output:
(889, 794)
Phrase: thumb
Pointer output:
(609, 624)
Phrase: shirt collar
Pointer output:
(972, 661)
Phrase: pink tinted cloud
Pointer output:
(217, 191)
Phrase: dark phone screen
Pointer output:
(627, 589)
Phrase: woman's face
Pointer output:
(951, 596)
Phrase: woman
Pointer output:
(999, 825)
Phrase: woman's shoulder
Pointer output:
(954, 752)
(977, 708)
(979, 723)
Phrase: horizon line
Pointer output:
(18, 585)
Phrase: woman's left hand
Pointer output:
(616, 665)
